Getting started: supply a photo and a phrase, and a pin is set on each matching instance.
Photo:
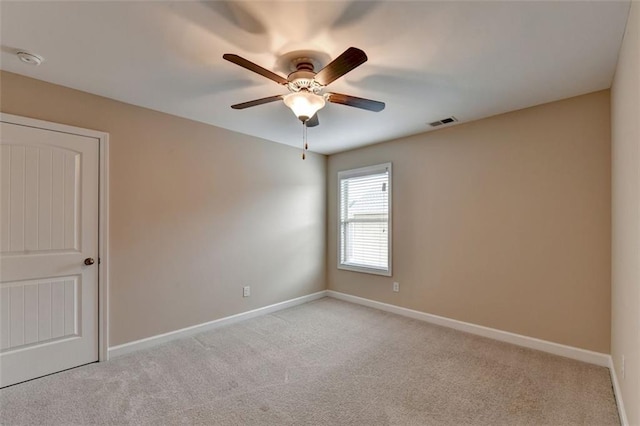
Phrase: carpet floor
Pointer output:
(326, 362)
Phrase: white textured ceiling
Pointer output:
(427, 60)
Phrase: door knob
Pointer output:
(89, 261)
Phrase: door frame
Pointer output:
(103, 215)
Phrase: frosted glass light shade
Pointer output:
(304, 104)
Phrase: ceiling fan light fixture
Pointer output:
(304, 104)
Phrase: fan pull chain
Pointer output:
(303, 140)
(305, 146)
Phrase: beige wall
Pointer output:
(503, 222)
(196, 212)
(625, 138)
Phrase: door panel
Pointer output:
(39, 311)
(48, 226)
(40, 187)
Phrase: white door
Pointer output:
(48, 228)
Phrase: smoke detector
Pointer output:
(30, 58)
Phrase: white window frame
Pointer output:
(363, 171)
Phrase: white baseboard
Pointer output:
(624, 421)
(492, 333)
(148, 342)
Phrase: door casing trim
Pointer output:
(103, 215)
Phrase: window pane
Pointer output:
(368, 244)
(364, 219)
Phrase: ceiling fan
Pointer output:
(305, 86)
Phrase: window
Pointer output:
(364, 235)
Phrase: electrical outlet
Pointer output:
(246, 291)
(623, 372)
(396, 287)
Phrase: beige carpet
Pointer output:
(323, 363)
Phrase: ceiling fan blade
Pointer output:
(353, 101)
(244, 63)
(313, 121)
(257, 102)
(350, 59)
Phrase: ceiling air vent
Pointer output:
(447, 120)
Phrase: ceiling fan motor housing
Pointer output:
(303, 79)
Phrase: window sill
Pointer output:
(364, 270)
